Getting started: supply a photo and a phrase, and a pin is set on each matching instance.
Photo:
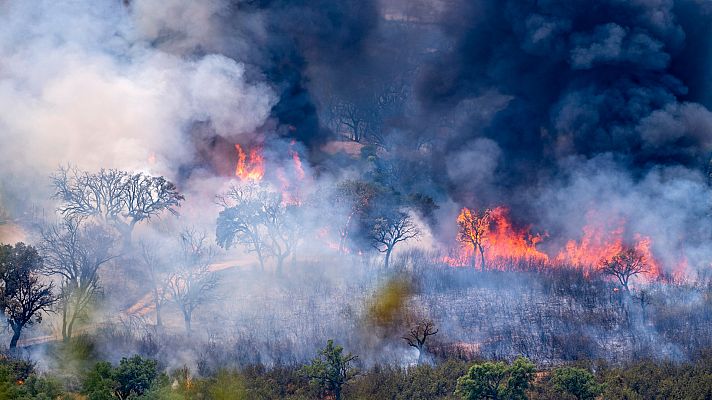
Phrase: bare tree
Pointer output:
(390, 229)
(157, 274)
(473, 227)
(192, 284)
(115, 197)
(24, 296)
(624, 265)
(418, 335)
(75, 251)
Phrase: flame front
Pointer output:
(502, 241)
(252, 169)
(497, 236)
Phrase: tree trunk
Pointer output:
(280, 263)
(159, 320)
(482, 256)
(337, 392)
(16, 330)
(64, 322)
(261, 259)
(126, 231)
(70, 327)
(388, 256)
(420, 355)
(186, 319)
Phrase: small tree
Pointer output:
(576, 382)
(354, 197)
(131, 379)
(24, 296)
(472, 231)
(496, 380)
(389, 229)
(331, 369)
(624, 265)
(242, 221)
(75, 251)
(418, 335)
(157, 274)
(193, 283)
(259, 219)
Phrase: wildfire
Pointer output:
(488, 236)
(492, 234)
(252, 169)
(599, 243)
(297, 162)
(503, 240)
(291, 193)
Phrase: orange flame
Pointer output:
(253, 169)
(596, 244)
(297, 163)
(499, 238)
(504, 240)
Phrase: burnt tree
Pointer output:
(473, 227)
(418, 335)
(625, 265)
(389, 229)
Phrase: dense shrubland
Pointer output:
(143, 378)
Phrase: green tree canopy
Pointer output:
(496, 380)
(331, 369)
(577, 382)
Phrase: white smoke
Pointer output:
(82, 82)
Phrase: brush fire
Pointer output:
(201, 197)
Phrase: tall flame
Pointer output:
(252, 169)
(499, 237)
(501, 240)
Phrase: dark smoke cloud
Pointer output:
(587, 78)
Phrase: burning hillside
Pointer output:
(243, 179)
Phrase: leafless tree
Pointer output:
(192, 284)
(157, 274)
(115, 197)
(624, 265)
(473, 227)
(390, 229)
(75, 251)
(418, 335)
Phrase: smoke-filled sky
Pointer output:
(567, 111)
